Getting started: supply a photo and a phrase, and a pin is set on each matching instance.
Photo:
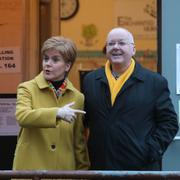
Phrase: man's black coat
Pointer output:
(134, 133)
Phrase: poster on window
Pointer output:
(138, 16)
(8, 124)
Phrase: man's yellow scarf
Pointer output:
(116, 85)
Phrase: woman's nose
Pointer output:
(48, 62)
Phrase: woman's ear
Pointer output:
(68, 66)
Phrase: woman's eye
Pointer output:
(56, 59)
(53, 59)
(45, 59)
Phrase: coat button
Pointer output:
(53, 146)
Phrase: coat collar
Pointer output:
(137, 74)
(42, 83)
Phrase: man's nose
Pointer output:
(117, 45)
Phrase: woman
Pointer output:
(49, 111)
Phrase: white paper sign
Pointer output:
(179, 111)
(177, 68)
(8, 124)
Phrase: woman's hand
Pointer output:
(67, 113)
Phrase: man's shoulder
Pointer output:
(148, 72)
(95, 73)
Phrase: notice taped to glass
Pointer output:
(8, 124)
(177, 68)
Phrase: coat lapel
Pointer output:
(136, 76)
(104, 88)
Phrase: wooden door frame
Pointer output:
(31, 34)
(159, 35)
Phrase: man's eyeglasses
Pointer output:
(119, 43)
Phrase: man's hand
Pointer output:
(67, 113)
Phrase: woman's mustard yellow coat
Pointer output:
(45, 143)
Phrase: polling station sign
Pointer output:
(9, 60)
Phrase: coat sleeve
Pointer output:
(165, 120)
(81, 152)
(27, 116)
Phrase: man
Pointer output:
(129, 113)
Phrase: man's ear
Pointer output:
(134, 50)
(104, 49)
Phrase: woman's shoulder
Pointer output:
(28, 84)
(71, 87)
